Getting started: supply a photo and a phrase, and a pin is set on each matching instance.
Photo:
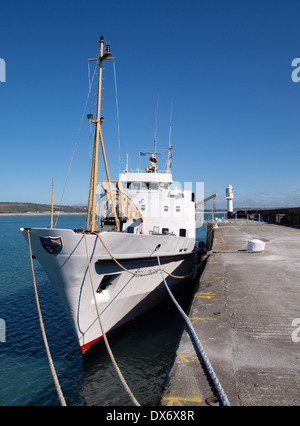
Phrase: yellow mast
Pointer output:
(98, 133)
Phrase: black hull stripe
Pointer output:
(163, 259)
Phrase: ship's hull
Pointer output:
(118, 272)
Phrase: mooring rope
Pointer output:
(237, 251)
(51, 364)
(121, 377)
(139, 274)
(208, 365)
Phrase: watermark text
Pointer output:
(2, 331)
(2, 71)
(296, 332)
(295, 73)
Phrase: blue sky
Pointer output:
(225, 66)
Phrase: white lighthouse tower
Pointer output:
(229, 198)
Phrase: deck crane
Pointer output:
(205, 200)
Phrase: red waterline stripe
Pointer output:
(84, 348)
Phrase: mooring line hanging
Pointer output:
(179, 277)
(210, 370)
(51, 364)
(121, 377)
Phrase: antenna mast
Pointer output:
(156, 126)
(170, 146)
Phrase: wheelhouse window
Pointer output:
(163, 185)
(138, 185)
(134, 185)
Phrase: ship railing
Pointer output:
(238, 221)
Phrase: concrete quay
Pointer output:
(246, 314)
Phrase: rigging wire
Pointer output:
(90, 88)
(75, 145)
(118, 116)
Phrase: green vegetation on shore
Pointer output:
(34, 208)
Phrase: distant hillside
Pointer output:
(34, 208)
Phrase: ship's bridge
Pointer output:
(144, 180)
(163, 210)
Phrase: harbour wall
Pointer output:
(245, 312)
(280, 216)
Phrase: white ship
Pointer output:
(109, 273)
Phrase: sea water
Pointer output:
(143, 349)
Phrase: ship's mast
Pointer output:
(91, 214)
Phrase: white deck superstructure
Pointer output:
(162, 210)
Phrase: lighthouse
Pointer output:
(229, 198)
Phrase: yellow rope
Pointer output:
(104, 334)
(139, 274)
(152, 272)
(56, 382)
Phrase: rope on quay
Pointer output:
(51, 364)
(121, 377)
(237, 251)
(208, 365)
